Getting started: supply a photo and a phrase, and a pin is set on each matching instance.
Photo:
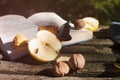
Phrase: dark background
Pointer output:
(105, 11)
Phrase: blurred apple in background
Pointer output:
(88, 23)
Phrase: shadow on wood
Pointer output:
(110, 71)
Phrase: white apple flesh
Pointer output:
(45, 47)
(91, 23)
(50, 39)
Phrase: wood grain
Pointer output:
(95, 64)
(33, 77)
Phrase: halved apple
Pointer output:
(91, 23)
(88, 23)
(45, 47)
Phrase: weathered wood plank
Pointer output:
(97, 42)
(32, 77)
(88, 57)
(21, 68)
(92, 46)
(99, 70)
(86, 49)
(98, 57)
(102, 33)
(92, 69)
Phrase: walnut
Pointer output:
(61, 68)
(76, 61)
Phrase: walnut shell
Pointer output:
(61, 69)
(77, 61)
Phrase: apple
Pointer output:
(45, 47)
(88, 23)
(91, 23)
(20, 40)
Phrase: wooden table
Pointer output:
(100, 54)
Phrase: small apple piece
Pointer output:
(20, 40)
(45, 47)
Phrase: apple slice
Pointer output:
(45, 47)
